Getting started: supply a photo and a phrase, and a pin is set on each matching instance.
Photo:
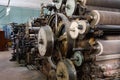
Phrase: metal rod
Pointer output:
(108, 57)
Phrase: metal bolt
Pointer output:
(80, 27)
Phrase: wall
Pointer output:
(18, 15)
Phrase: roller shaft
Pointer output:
(104, 3)
(34, 28)
(102, 8)
(109, 28)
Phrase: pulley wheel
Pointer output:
(66, 70)
(83, 27)
(45, 41)
(78, 58)
(73, 30)
(95, 17)
(60, 28)
(78, 27)
(70, 7)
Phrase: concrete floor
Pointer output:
(13, 71)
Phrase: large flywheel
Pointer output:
(71, 6)
(45, 41)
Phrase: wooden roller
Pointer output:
(102, 3)
(104, 17)
(109, 47)
(109, 28)
(90, 8)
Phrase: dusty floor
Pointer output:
(13, 71)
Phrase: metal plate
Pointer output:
(45, 41)
(70, 7)
(66, 70)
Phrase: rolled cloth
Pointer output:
(104, 17)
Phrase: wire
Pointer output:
(8, 3)
(6, 6)
(4, 9)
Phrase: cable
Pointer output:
(8, 3)
(6, 6)
(4, 9)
